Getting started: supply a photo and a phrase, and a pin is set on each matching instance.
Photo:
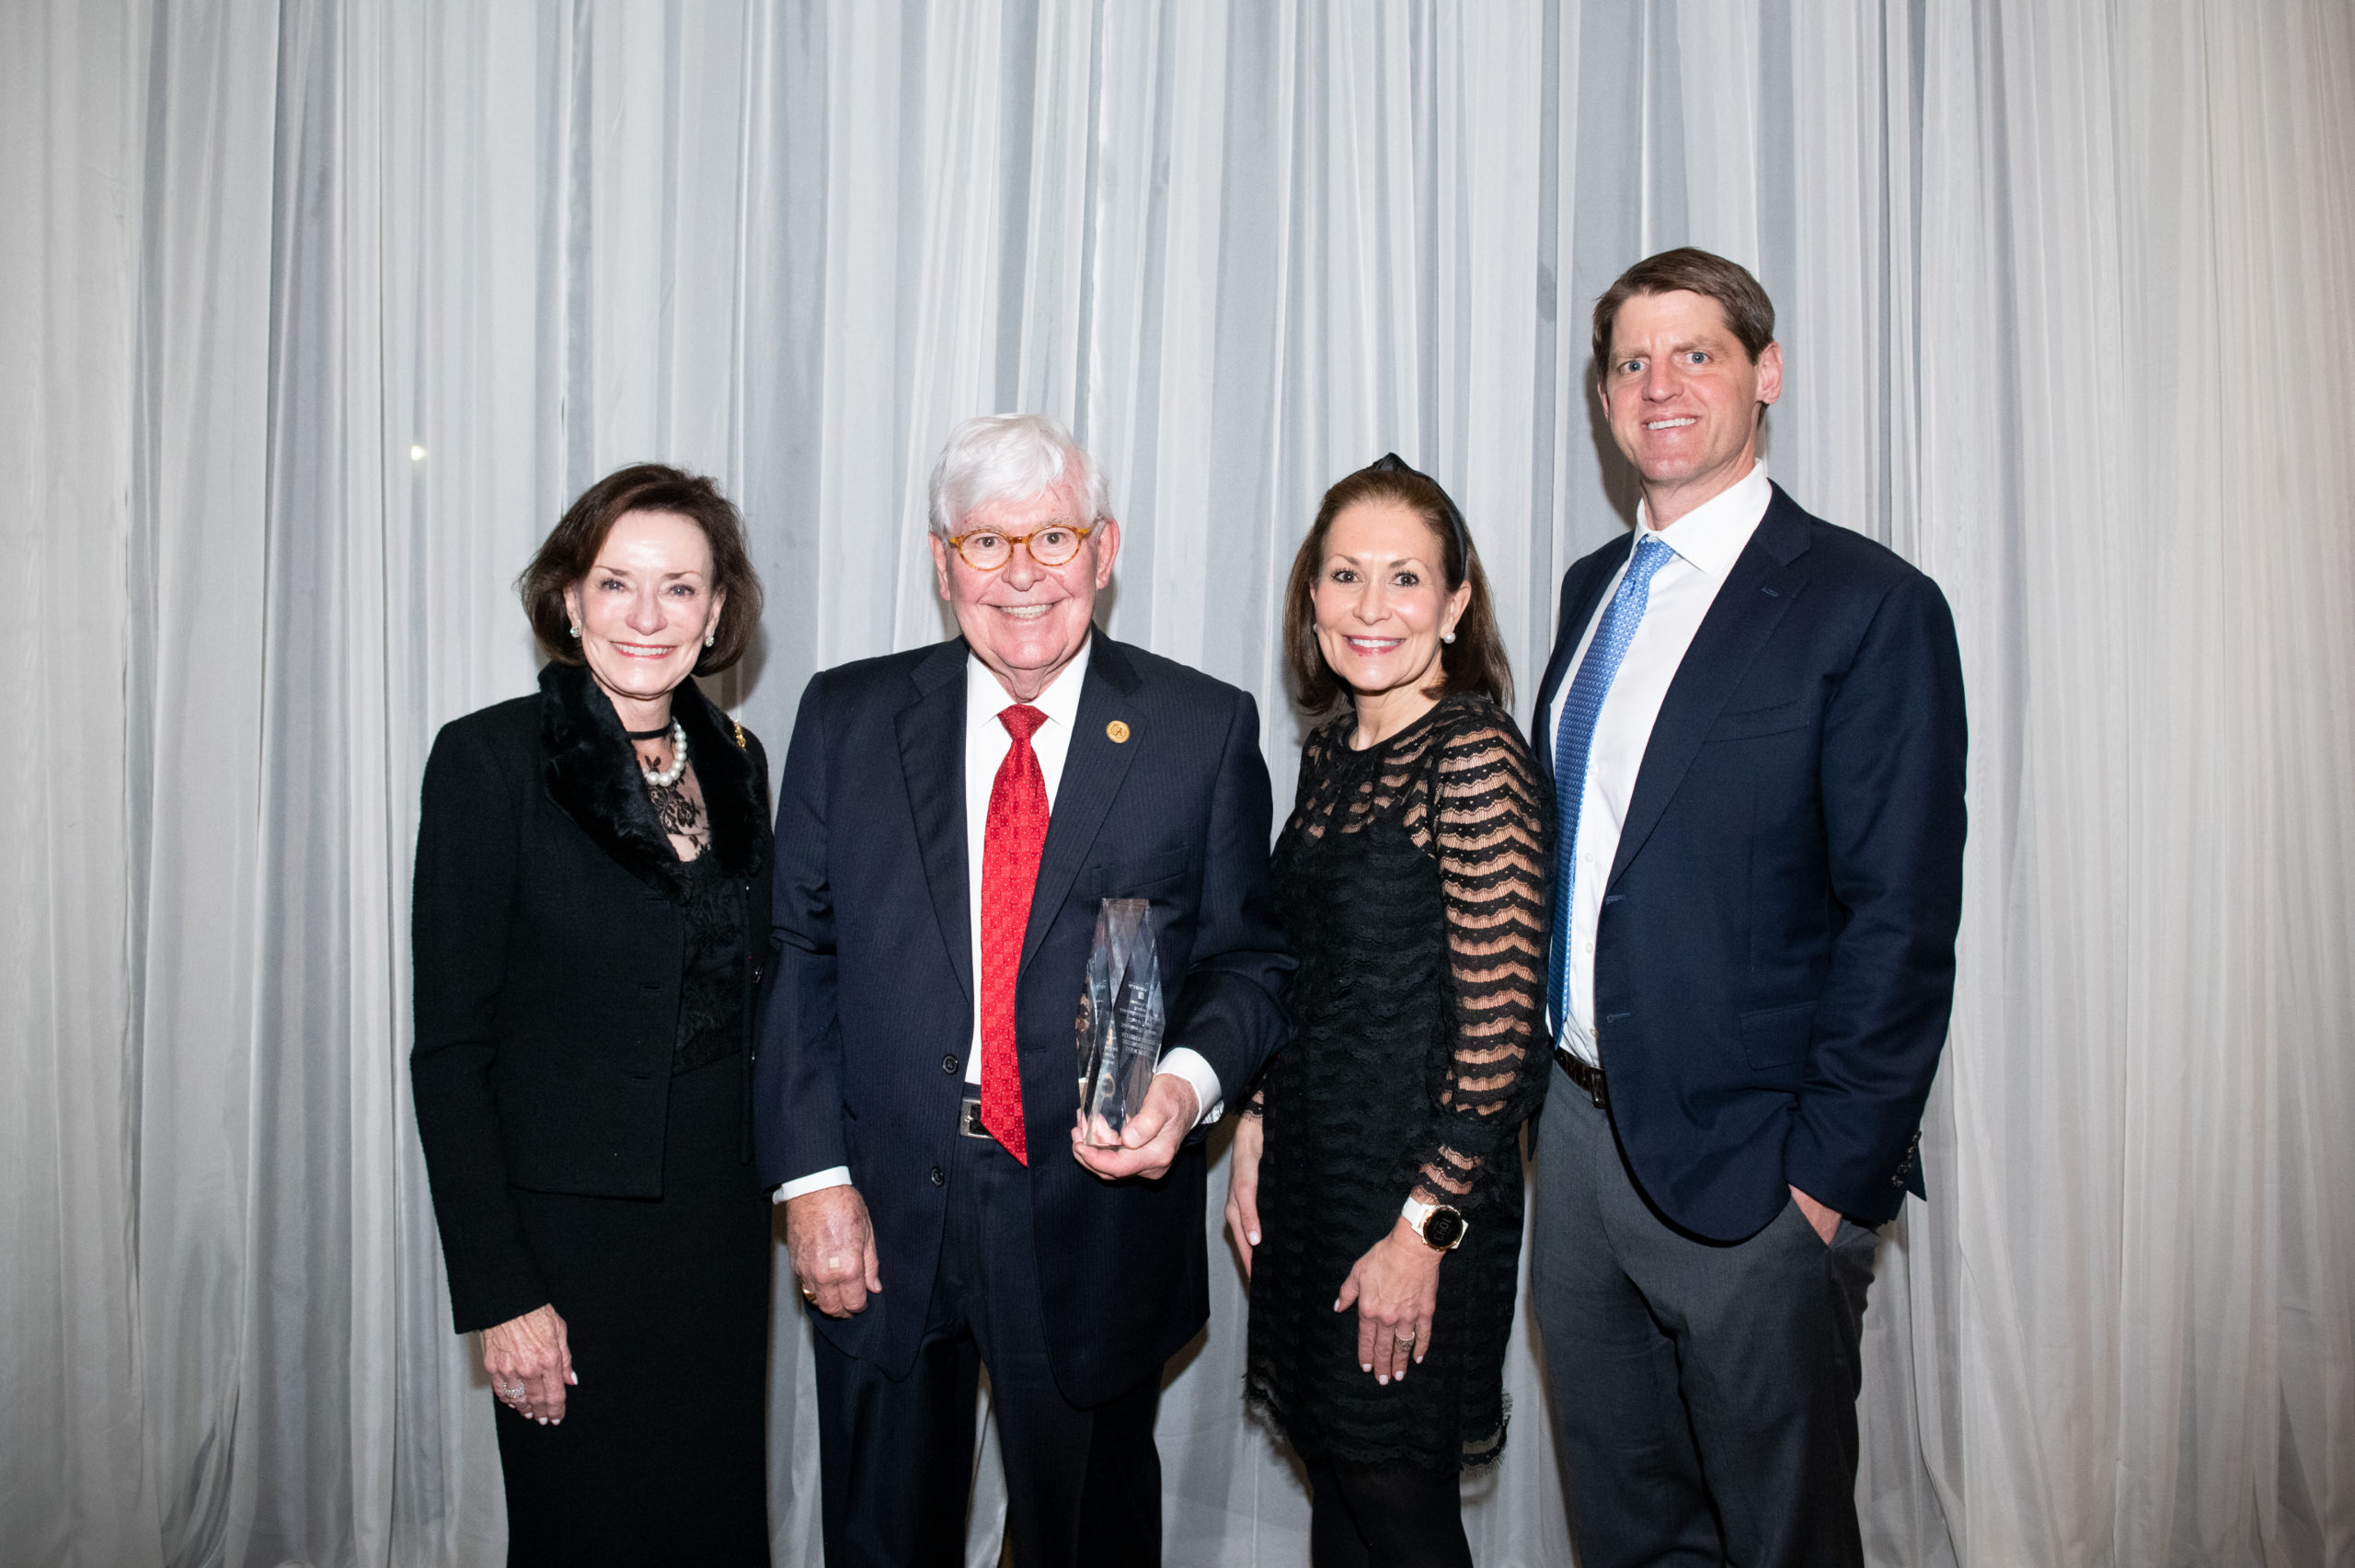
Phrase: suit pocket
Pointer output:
(1149, 878)
(1777, 1036)
(1752, 723)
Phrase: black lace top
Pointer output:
(711, 987)
(1411, 878)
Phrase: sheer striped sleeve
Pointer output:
(1489, 831)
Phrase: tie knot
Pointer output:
(1652, 555)
(1021, 721)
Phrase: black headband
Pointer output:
(1391, 462)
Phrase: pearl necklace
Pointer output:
(664, 778)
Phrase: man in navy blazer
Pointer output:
(1753, 723)
(949, 820)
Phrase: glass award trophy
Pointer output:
(1120, 1019)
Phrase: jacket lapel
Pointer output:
(1580, 602)
(1093, 771)
(1756, 596)
(932, 760)
(592, 773)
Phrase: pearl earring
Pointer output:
(576, 630)
(1447, 636)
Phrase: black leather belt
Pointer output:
(1585, 1075)
(969, 1118)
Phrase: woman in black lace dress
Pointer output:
(1375, 1192)
(591, 907)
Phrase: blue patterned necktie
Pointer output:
(1580, 708)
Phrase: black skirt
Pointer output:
(659, 1458)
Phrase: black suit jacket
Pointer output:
(548, 944)
(1775, 960)
(865, 1033)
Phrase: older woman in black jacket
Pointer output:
(590, 915)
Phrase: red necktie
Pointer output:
(1017, 832)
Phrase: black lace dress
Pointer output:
(712, 992)
(1411, 879)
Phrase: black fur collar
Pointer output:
(593, 775)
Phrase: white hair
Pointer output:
(1009, 457)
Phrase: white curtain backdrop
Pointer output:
(314, 316)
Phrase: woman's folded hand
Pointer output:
(530, 1363)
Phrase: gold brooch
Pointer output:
(1119, 731)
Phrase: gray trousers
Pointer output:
(1704, 1397)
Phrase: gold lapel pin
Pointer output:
(1119, 731)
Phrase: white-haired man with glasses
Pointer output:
(948, 821)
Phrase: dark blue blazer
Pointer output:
(1775, 961)
(870, 1012)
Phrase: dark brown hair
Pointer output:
(568, 554)
(1749, 312)
(1474, 661)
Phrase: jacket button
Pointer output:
(948, 1064)
(938, 1179)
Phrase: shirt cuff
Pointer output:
(1191, 1066)
(817, 1180)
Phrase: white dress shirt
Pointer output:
(986, 744)
(1707, 541)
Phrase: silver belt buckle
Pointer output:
(968, 1119)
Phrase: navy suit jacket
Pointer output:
(1775, 960)
(869, 1017)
